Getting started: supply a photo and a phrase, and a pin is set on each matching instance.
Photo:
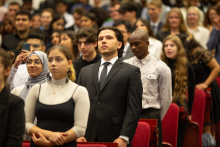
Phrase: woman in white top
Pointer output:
(61, 106)
(37, 67)
(189, 4)
(155, 46)
(200, 33)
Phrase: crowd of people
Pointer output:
(91, 72)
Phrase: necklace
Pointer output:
(54, 92)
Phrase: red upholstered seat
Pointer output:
(91, 145)
(198, 110)
(142, 135)
(170, 125)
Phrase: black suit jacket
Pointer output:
(115, 109)
(12, 120)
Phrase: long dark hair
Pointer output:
(2, 31)
(147, 24)
(71, 35)
(55, 18)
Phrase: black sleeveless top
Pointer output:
(56, 118)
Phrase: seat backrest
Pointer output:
(198, 111)
(170, 125)
(142, 135)
(218, 81)
(25, 144)
(91, 145)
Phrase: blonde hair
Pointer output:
(197, 11)
(181, 71)
(182, 26)
(157, 3)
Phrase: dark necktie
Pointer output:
(103, 75)
(153, 28)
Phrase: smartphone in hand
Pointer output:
(26, 46)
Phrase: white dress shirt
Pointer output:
(18, 77)
(155, 47)
(202, 35)
(155, 26)
(69, 20)
(109, 67)
(126, 49)
(156, 82)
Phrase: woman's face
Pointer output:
(58, 64)
(46, 18)
(212, 15)
(58, 25)
(36, 23)
(174, 20)
(55, 38)
(66, 41)
(192, 17)
(34, 66)
(86, 22)
(8, 27)
(170, 49)
(141, 25)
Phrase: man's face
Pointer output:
(114, 13)
(27, 5)
(124, 31)
(77, 19)
(154, 11)
(139, 46)
(35, 45)
(22, 23)
(86, 48)
(12, 10)
(108, 44)
(127, 16)
(61, 8)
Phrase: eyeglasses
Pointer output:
(123, 31)
(35, 45)
(36, 62)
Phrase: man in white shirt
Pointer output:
(155, 77)
(18, 74)
(61, 7)
(125, 28)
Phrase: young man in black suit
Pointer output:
(115, 92)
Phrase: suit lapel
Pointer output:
(95, 72)
(115, 68)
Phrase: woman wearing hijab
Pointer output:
(37, 67)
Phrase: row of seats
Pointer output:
(143, 136)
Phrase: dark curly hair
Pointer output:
(118, 35)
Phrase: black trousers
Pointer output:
(152, 113)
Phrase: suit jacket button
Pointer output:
(99, 102)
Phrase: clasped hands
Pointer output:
(54, 138)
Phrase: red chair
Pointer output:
(142, 135)
(170, 125)
(25, 144)
(198, 111)
(91, 145)
(218, 81)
